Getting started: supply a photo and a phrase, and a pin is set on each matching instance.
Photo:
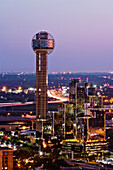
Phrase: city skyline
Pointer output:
(82, 30)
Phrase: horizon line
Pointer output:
(26, 72)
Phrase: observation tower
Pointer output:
(42, 44)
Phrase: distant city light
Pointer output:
(18, 165)
(19, 88)
(44, 145)
(4, 88)
(26, 161)
(23, 127)
(8, 114)
(41, 153)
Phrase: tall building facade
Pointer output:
(43, 44)
(67, 112)
(73, 91)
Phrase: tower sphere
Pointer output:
(43, 41)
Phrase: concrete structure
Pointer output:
(6, 158)
(43, 44)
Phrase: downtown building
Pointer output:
(6, 158)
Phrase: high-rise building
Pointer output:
(67, 112)
(6, 158)
(97, 125)
(43, 44)
(73, 91)
(81, 93)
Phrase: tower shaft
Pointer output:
(41, 84)
(42, 44)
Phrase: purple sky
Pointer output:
(83, 32)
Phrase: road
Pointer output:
(51, 94)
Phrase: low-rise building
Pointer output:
(6, 158)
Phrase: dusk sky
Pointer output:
(83, 32)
